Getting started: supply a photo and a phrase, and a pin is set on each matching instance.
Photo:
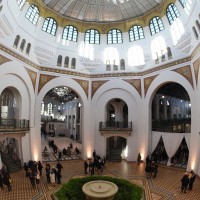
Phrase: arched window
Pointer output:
(158, 48)
(136, 56)
(73, 64)
(23, 43)
(70, 33)
(33, 14)
(183, 3)
(177, 30)
(122, 64)
(59, 60)
(28, 48)
(195, 33)
(156, 25)
(114, 36)
(108, 66)
(136, 33)
(49, 26)
(49, 108)
(21, 3)
(66, 64)
(111, 54)
(42, 108)
(92, 36)
(169, 53)
(198, 25)
(172, 13)
(16, 42)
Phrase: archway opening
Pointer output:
(61, 127)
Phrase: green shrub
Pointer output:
(72, 190)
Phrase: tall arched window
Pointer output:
(158, 48)
(136, 33)
(23, 43)
(21, 3)
(198, 25)
(135, 56)
(92, 36)
(114, 36)
(59, 60)
(73, 64)
(183, 3)
(111, 54)
(70, 33)
(195, 33)
(33, 14)
(66, 64)
(49, 108)
(156, 25)
(49, 26)
(16, 42)
(172, 13)
(28, 48)
(108, 66)
(122, 64)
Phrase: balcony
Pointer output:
(182, 125)
(14, 125)
(116, 128)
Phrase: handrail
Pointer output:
(8, 124)
(115, 126)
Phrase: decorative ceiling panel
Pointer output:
(102, 10)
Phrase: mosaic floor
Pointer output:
(165, 186)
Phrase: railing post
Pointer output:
(14, 124)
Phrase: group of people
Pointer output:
(187, 181)
(5, 178)
(97, 163)
(33, 171)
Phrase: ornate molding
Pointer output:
(84, 84)
(33, 77)
(196, 65)
(43, 80)
(3, 59)
(186, 73)
(96, 85)
(147, 83)
(136, 83)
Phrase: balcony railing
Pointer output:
(7, 125)
(115, 126)
(172, 125)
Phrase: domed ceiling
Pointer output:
(102, 10)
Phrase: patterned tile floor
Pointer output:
(165, 186)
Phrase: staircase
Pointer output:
(12, 164)
(115, 155)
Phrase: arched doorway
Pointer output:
(115, 148)
(61, 114)
(171, 113)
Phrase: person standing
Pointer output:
(40, 167)
(139, 159)
(185, 182)
(59, 167)
(191, 180)
(85, 166)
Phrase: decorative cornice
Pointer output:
(96, 85)
(43, 80)
(105, 75)
(147, 83)
(186, 73)
(84, 84)
(196, 65)
(33, 77)
(3, 60)
(136, 83)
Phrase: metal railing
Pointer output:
(172, 125)
(14, 124)
(115, 126)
